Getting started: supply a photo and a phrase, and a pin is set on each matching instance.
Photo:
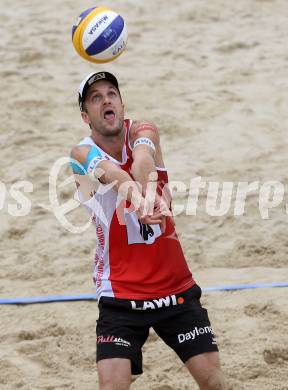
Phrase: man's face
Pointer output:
(104, 110)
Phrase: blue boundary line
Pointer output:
(91, 297)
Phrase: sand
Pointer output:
(213, 76)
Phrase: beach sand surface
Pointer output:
(213, 76)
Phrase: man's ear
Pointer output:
(85, 117)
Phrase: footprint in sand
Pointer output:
(276, 355)
(253, 310)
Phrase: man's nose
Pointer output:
(106, 99)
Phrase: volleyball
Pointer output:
(99, 35)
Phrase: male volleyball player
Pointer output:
(141, 276)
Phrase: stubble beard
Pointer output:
(107, 132)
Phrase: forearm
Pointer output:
(121, 181)
(144, 170)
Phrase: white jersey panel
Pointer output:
(101, 271)
(100, 202)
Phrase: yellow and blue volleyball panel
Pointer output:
(99, 35)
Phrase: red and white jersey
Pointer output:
(133, 260)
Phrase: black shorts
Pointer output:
(180, 320)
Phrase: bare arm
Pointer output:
(144, 166)
(109, 173)
(144, 158)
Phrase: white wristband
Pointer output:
(144, 141)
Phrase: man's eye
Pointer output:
(112, 93)
(95, 97)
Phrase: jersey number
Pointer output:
(146, 231)
(140, 233)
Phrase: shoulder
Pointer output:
(80, 152)
(138, 126)
(144, 129)
(82, 156)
